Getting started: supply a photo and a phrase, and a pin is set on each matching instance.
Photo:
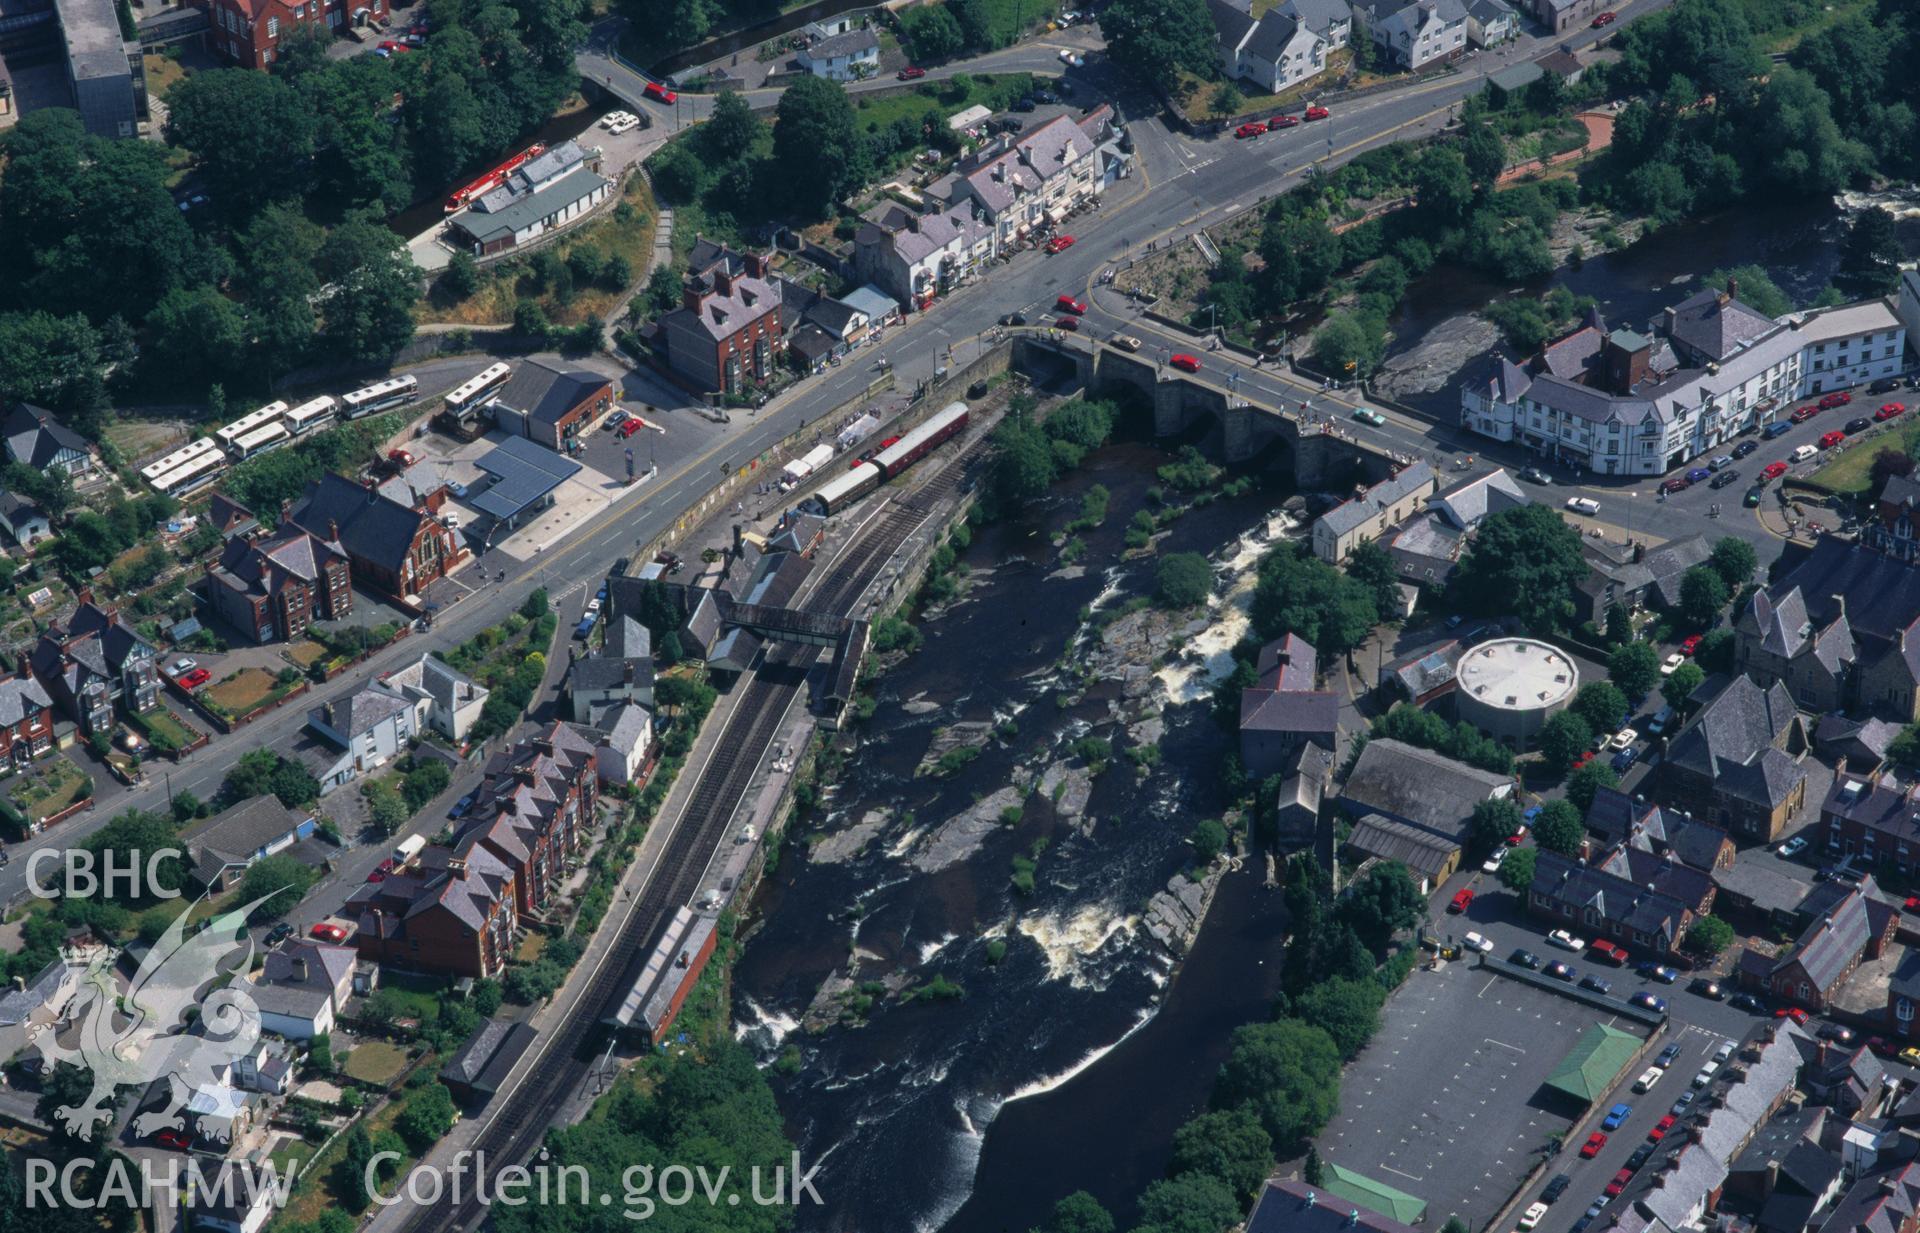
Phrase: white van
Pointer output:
(1724, 1052)
(1802, 453)
(1647, 1079)
(1706, 1074)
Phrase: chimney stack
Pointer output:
(1733, 287)
(300, 969)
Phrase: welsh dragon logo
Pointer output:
(147, 1033)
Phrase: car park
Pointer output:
(1462, 900)
(178, 1140)
(1752, 498)
(1744, 448)
(1858, 424)
(1640, 1156)
(1662, 719)
(1624, 759)
(1681, 1105)
(1885, 385)
(1184, 362)
(1649, 1001)
(1705, 1074)
(1802, 453)
(1621, 739)
(1583, 505)
(1603, 949)
(183, 665)
(1533, 1215)
(1524, 958)
(1648, 1077)
(1534, 475)
(1592, 1146)
(1696, 474)
(1560, 971)
(1725, 479)
(1794, 1013)
(1890, 410)
(1721, 463)
(625, 125)
(1013, 319)
(461, 806)
(1910, 1055)
(1566, 941)
(1060, 244)
(1836, 1033)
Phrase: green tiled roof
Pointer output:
(1378, 1196)
(1595, 1062)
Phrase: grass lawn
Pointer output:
(415, 1003)
(163, 73)
(137, 438)
(166, 729)
(376, 1062)
(997, 91)
(306, 653)
(530, 947)
(291, 1154)
(1195, 94)
(626, 232)
(247, 689)
(48, 787)
(1852, 470)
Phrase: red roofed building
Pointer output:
(249, 32)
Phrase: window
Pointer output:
(273, 27)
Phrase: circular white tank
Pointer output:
(1510, 687)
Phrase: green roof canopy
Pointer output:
(1594, 1063)
(1378, 1196)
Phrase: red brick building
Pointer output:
(272, 589)
(396, 547)
(452, 912)
(533, 810)
(728, 331)
(26, 720)
(249, 32)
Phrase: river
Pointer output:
(1057, 1047)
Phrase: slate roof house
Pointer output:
(1874, 816)
(447, 700)
(1738, 764)
(1812, 968)
(1417, 34)
(26, 720)
(454, 911)
(1618, 818)
(1408, 784)
(1295, 1207)
(1275, 51)
(95, 665)
(533, 810)
(920, 256)
(476, 1071)
(849, 56)
(34, 438)
(1429, 858)
(1368, 515)
(371, 727)
(729, 329)
(1019, 185)
(1427, 546)
(1593, 899)
(1282, 710)
(620, 673)
(23, 521)
(550, 405)
(222, 848)
(1635, 576)
(1840, 630)
(394, 548)
(273, 587)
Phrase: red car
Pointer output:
(195, 679)
(1890, 410)
(911, 73)
(1279, 122)
(1802, 414)
(1462, 900)
(1059, 243)
(1592, 1146)
(1317, 113)
(631, 425)
(1829, 440)
(1603, 949)
(1690, 644)
(1791, 1012)
(328, 933)
(376, 875)
(1912, 904)
(1774, 470)
(1067, 304)
(1518, 837)
(1839, 398)
(1678, 483)
(391, 45)
(1184, 362)
(1249, 130)
(1619, 1182)
(1660, 1128)
(1604, 19)
(178, 1140)
(1069, 324)
(660, 94)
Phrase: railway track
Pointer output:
(565, 1062)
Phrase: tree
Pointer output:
(356, 162)
(1347, 1010)
(933, 32)
(1635, 668)
(427, 1117)
(53, 362)
(68, 1086)
(1190, 1203)
(1347, 346)
(459, 280)
(1381, 904)
(1209, 839)
(1708, 935)
(1154, 39)
(1677, 688)
(1287, 1074)
(1600, 704)
(1716, 651)
(351, 1174)
(1620, 628)
(1443, 185)
(1228, 1145)
(1493, 821)
(1371, 567)
(1585, 783)
(1226, 99)
(1563, 739)
(1755, 288)
(1559, 828)
(1183, 579)
(1734, 560)
(1871, 254)
(371, 287)
(195, 334)
(276, 281)
(817, 149)
(1524, 561)
(1516, 872)
(251, 134)
(284, 878)
(1887, 463)
(132, 840)
(1484, 154)
(1079, 1212)
(1703, 594)
(1312, 1170)
(262, 771)
(1299, 593)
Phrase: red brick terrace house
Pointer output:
(453, 912)
(533, 811)
(249, 32)
(272, 589)
(26, 720)
(1849, 928)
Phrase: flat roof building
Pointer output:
(1510, 687)
(104, 69)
